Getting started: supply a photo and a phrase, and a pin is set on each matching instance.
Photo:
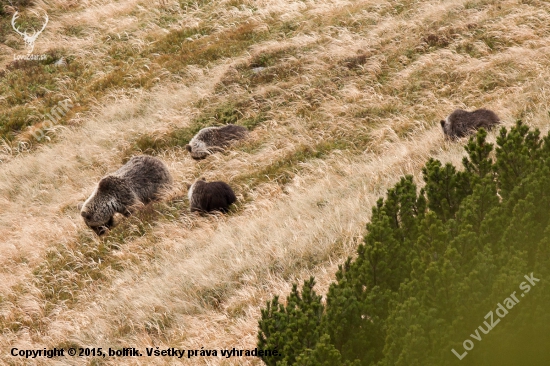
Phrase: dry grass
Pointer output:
(342, 98)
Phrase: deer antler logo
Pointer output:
(29, 39)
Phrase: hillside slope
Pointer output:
(342, 98)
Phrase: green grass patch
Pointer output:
(267, 67)
(31, 89)
(212, 48)
(374, 113)
(75, 30)
(177, 40)
(478, 4)
(25, 81)
(195, 4)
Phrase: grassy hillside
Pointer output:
(342, 99)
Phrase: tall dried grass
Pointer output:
(352, 93)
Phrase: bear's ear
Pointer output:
(188, 147)
(442, 123)
(106, 183)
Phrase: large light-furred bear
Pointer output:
(214, 139)
(212, 196)
(461, 123)
(141, 180)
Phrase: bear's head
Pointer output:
(197, 150)
(446, 126)
(111, 195)
(191, 188)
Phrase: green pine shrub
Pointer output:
(291, 328)
(433, 265)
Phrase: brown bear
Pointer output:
(213, 196)
(461, 123)
(141, 180)
(214, 139)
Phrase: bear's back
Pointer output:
(145, 175)
(212, 196)
(460, 123)
(231, 132)
(220, 136)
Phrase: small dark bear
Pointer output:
(212, 196)
(461, 123)
(140, 181)
(214, 139)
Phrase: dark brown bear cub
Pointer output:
(461, 123)
(212, 196)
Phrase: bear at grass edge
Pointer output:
(461, 123)
(141, 180)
